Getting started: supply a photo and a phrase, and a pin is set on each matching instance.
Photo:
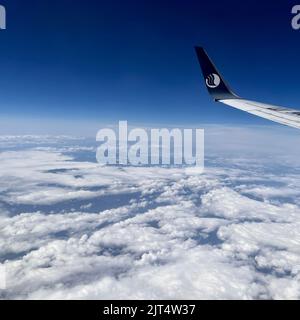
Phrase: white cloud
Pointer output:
(73, 229)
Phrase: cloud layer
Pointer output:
(73, 229)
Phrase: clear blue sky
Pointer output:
(134, 60)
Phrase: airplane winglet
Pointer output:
(215, 83)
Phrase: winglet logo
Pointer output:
(2, 18)
(213, 80)
(296, 18)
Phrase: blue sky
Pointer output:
(104, 61)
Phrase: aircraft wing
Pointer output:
(221, 92)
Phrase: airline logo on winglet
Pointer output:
(213, 80)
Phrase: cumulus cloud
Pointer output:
(72, 229)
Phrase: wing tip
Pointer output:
(215, 84)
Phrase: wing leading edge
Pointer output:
(221, 92)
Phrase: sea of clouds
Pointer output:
(72, 229)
